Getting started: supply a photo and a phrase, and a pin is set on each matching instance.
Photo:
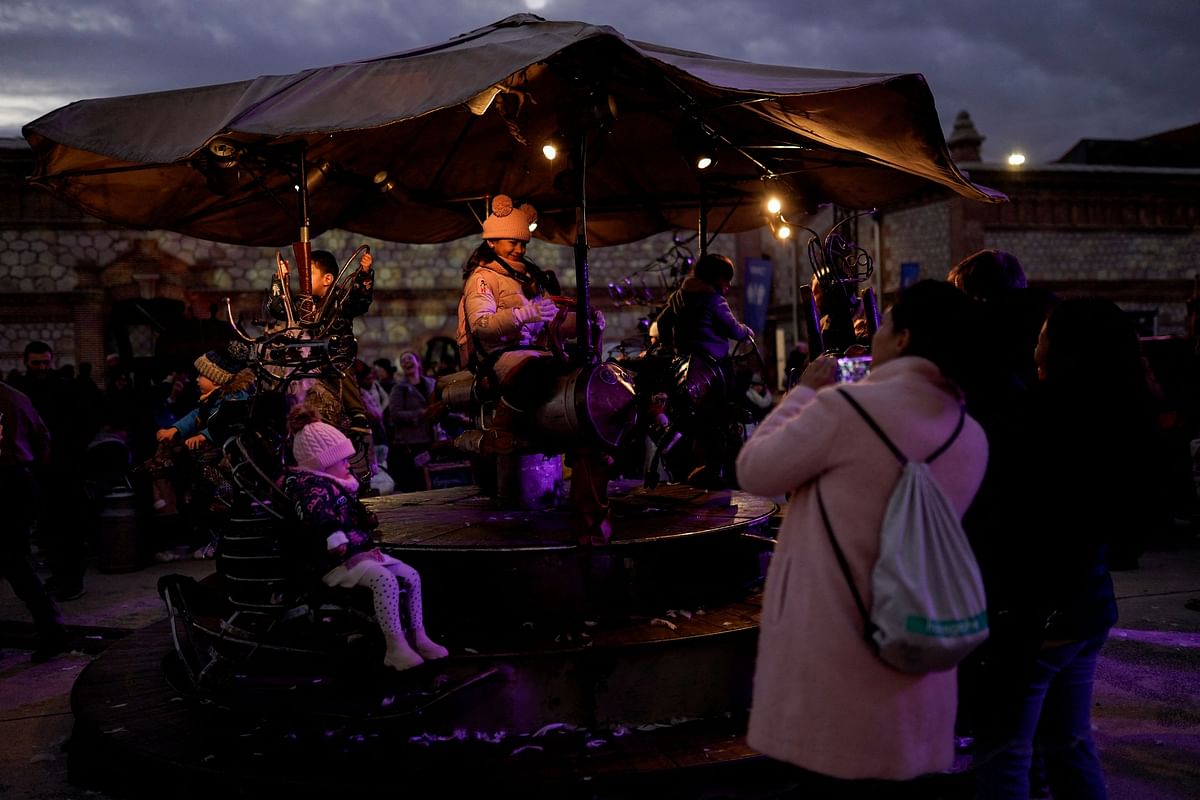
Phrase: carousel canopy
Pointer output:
(406, 147)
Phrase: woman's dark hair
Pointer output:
(537, 277)
(484, 254)
(1092, 349)
(940, 321)
(988, 274)
(712, 268)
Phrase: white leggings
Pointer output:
(385, 582)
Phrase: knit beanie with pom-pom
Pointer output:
(218, 367)
(507, 222)
(317, 445)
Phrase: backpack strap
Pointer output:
(869, 627)
(962, 417)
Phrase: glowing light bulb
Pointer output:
(783, 232)
(1016, 159)
(704, 162)
(774, 205)
(550, 151)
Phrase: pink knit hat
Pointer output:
(507, 222)
(318, 446)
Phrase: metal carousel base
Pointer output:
(587, 671)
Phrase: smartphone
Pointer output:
(851, 369)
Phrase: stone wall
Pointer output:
(919, 235)
(14, 336)
(44, 270)
(1134, 260)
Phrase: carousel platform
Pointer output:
(575, 670)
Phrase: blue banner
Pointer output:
(757, 279)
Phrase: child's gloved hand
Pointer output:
(364, 262)
(196, 442)
(337, 543)
(165, 434)
(540, 309)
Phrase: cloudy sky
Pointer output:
(1036, 75)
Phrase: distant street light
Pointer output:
(1016, 159)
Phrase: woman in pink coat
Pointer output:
(822, 699)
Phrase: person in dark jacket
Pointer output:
(412, 426)
(356, 303)
(1050, 596)
(697, 325)
(189, 451)
(698, 318)
(25, 443)
(62, 519)
(340, 529)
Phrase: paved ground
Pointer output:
(1147, 715)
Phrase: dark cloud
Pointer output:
(1037, 75)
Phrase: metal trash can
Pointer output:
(118, 534)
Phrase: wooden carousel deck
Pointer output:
(573, 667)
(463, 519)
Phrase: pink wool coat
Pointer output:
(822, 699)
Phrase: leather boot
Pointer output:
(495, 440)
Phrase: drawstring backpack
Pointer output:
(928, 608)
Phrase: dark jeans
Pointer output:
(407, 475)
(16, 565)
(63, 516)
(1048, 693)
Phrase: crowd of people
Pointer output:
(66, 445)
(1060, 411)
(1056, 476)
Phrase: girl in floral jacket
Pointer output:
(326, 495)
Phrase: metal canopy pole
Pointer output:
(583, 299)
(303, 248)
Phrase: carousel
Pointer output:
(614, 664)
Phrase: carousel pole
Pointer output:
(703, 226)
(303, 248)
(583, 300)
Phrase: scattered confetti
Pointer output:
(554, 726)
(523, 748)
